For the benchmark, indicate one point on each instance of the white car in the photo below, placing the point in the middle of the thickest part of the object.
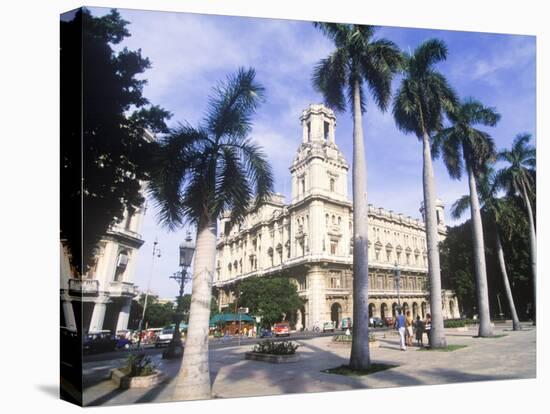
(164, 337)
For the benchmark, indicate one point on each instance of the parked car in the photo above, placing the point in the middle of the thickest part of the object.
(99, 341)
(346, 324)
(376, 322)
(164, 337)
(389, 321)
(266, 333)
(282, 329)
(328, 327)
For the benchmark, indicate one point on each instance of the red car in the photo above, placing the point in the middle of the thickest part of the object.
(281, 329)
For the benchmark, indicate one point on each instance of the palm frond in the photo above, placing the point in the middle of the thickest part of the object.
(232, 104)
(329, 78)
(426, 55)
(460, 206)
(233, 190)
(381, 60)
(337, 32)
(477, 113)
(171, 162)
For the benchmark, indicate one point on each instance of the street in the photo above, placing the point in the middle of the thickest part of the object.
(509, 355)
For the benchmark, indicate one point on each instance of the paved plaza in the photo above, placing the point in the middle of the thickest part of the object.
(510, 355)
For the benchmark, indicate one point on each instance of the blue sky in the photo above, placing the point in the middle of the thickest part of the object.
(191, 52)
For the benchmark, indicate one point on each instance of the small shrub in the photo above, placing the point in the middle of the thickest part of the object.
(458, 323)
(139, 365)
(348, 338)
(276, 348)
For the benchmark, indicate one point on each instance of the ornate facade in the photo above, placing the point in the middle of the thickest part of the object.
(102, 297)
(310, 239)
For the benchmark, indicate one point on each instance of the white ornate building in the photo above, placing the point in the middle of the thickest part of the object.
(102, 298)
(309, 240)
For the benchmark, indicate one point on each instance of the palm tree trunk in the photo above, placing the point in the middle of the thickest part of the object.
(500, 253)
(193, 380)
(437, 334)
(360, 355)
(533, 244)
(485, 328)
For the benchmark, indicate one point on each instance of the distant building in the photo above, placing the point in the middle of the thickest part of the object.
(310, 240)
(164, 301)
(102, 298)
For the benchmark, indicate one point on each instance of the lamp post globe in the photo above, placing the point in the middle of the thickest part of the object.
(187, 249)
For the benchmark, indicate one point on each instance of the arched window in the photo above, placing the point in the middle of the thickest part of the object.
(332, 182)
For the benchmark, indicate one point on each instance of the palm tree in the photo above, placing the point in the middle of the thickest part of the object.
(357, 60)
(519, 178)
(498, 211)
(200, 173)
(466, 148)
(418, 107)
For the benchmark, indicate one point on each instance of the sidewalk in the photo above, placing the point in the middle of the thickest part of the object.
(508, 357)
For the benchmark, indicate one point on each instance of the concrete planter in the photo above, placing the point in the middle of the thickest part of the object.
(274, 359)
(123, 381)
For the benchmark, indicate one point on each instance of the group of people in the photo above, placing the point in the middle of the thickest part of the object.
(408, 327)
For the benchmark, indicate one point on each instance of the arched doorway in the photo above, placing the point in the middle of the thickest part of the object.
(383, 310)
(415, 310)
(405, 307)
(423, 307)
(394, 309)
(336, 314)
(452, 308)
(372, 309)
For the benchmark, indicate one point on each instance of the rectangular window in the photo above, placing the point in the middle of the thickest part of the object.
(333, 247)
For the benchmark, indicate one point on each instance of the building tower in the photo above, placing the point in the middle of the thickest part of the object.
(319, 210)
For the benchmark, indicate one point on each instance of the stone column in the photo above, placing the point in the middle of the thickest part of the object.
(98, 316)
(298, 320)
(123, 316)
(377, 309)
(316, 287)
(70, 321)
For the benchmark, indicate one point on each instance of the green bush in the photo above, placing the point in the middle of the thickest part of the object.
(139, 365)
(348, 338)
(458, 323)
(276, 348)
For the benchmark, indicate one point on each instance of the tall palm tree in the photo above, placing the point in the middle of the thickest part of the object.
(200, 173)
(358, 59)
(498, 211)
(466, 148)
(518, 177)
(418, 107)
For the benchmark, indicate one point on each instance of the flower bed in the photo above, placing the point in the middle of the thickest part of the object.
(274, 352)
(139, 372)
(347, 340)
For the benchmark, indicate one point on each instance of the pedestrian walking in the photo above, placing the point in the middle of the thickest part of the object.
(419, 330)
(400, 326)
(428, 328)
(409, 328)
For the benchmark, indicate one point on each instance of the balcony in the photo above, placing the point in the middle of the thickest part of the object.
(84, 287)
(122, 289)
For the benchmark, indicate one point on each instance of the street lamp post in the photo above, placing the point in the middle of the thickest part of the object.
(397, 276)
(187, 248)
(156, 253)
(501, 315)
